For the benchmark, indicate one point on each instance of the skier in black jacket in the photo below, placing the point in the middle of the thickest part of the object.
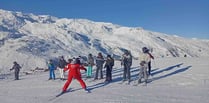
(108, 65)
(61, 66)
(126, 63)
(16, 67)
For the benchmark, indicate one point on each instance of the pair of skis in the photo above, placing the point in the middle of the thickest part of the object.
(86, 90)
(70, 90)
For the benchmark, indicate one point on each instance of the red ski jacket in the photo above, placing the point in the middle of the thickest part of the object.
(74, 70)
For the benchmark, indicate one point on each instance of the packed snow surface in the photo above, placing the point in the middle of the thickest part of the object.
(174, 80)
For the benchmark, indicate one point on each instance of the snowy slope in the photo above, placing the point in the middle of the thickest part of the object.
(33, 39)
(187, 83)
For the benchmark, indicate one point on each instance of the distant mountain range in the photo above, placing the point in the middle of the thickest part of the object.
(32, 39)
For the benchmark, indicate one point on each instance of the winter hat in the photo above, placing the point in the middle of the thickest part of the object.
(100, 55)
(15, 62)
(74, 61)
(70, 60)
(90, 55)
(145, 50)
(126, 52)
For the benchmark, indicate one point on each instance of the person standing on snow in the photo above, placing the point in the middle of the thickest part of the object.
(69, 61)
(61, 66)
(82, 62)
(74, 72)
(108, 65)
(99, 65)
(90, 61)
(149, 63)
(51, 68)
(126, 62)
(144, 60)
(16, 67)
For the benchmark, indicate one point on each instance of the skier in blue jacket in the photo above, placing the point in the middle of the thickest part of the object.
(51, 68)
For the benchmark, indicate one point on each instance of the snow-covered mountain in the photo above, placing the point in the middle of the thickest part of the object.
(32, 39)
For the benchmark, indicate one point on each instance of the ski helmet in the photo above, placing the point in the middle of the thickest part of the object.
(145, 50)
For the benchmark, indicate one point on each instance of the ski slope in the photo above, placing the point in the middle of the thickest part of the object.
(175, 80)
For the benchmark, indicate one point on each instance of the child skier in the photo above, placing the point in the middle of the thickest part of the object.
(90, 62)
(51, 68)
(74, 72)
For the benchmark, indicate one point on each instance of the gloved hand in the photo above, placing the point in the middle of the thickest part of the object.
(142, 63)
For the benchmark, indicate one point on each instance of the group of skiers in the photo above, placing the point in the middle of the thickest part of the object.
(74, 66)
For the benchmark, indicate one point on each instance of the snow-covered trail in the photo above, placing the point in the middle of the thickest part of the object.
(175, 80)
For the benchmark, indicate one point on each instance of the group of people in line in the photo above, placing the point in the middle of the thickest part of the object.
(74, 66)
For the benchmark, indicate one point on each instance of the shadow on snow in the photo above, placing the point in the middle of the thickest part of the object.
(117, 75)
(172, 73)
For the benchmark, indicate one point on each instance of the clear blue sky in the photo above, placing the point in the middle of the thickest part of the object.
(186, 18)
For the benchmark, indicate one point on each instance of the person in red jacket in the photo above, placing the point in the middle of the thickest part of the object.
(74, 72)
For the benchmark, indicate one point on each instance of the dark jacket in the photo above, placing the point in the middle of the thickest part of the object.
(16, 67)
(62, 63)
(127, 60)
(109, 62)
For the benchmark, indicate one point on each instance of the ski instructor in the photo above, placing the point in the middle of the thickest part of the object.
(74, 73)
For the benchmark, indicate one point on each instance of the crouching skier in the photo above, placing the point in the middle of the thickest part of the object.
(74, 73)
